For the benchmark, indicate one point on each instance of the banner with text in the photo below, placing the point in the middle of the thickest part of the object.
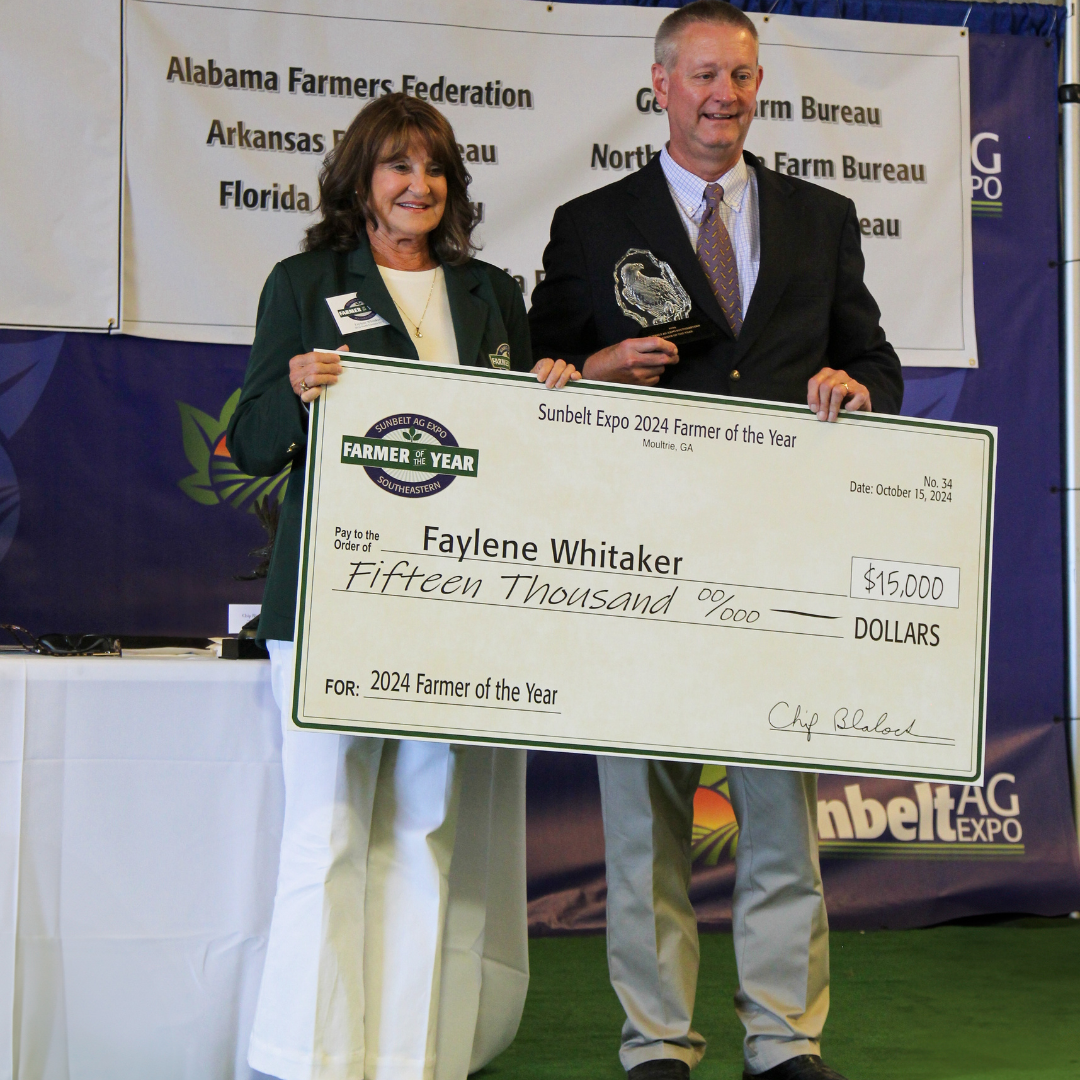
(230, 112)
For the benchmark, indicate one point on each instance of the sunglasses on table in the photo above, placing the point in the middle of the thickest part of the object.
(62, 644)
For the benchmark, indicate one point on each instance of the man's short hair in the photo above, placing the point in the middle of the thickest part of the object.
(717, 12)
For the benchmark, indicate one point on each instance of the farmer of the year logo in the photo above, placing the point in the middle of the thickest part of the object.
(358, 312)
(410, 455)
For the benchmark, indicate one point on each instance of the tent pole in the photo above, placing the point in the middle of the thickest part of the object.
(1069, 95)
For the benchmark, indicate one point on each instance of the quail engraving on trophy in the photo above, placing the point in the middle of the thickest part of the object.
(647, 290)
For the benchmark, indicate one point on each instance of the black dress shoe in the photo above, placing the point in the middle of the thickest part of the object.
(660, 1069)
(803, 1067)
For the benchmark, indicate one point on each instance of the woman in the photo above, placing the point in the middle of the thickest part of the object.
(368, 922)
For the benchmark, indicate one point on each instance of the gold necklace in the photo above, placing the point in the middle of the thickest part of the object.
(416, 325)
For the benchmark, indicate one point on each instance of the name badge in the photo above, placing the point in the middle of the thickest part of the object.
(352, 315)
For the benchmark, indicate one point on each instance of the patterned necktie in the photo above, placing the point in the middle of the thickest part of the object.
(717, 258)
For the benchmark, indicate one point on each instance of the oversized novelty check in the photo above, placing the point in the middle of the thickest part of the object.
(633, 571)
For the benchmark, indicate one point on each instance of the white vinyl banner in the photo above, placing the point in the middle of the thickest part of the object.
(230, 111)
(60, 166)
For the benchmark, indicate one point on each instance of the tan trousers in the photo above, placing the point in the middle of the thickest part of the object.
(779, 926)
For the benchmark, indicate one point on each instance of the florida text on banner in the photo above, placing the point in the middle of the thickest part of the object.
(634, 571)
(230, 110)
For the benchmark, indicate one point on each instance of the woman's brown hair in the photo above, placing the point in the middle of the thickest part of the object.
(382, 131)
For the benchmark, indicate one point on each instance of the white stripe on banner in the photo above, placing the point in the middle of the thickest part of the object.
(60, 166)
(229, 111)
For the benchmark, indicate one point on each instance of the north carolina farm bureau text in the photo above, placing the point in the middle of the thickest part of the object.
(491, 95)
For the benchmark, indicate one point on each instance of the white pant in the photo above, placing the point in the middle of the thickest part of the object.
(370, 920)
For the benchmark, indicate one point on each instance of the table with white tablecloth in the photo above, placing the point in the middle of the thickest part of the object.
(141, 803)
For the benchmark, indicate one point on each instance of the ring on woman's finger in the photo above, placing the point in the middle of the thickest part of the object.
(847, 389)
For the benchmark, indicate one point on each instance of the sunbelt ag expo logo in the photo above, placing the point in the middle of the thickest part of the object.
(410, 455)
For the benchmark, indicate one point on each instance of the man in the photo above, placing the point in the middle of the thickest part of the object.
(770, 270)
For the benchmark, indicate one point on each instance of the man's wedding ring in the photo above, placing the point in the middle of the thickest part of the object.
(304, 388)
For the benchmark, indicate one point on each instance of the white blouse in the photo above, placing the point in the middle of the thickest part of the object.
(410, 289)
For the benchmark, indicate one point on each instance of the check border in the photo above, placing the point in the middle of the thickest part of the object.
(314, 460)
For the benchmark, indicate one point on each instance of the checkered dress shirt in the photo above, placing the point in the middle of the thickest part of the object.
(739, 211)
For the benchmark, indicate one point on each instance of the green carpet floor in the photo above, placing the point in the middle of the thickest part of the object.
(954, 1003)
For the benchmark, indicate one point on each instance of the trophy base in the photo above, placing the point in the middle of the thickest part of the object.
(682, 332)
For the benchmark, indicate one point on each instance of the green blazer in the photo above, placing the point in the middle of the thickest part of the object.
(268, 430)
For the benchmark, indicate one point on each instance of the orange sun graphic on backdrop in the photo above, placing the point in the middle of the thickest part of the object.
(716, 834)
(217, 478)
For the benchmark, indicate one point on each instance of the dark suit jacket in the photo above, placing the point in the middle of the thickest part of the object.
(809, 309)
(268, 430)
